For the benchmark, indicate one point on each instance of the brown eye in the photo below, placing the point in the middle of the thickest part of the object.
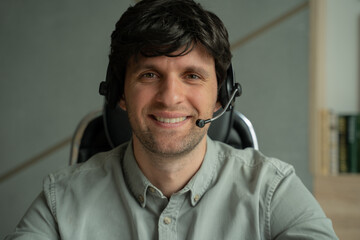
(149, 75)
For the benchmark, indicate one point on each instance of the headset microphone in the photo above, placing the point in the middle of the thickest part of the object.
(201, 122)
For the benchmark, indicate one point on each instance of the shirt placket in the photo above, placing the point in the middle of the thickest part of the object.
(169, 217)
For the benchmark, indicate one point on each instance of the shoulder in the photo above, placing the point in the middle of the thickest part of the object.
(75, 184)
(96, 167)
(251, 160)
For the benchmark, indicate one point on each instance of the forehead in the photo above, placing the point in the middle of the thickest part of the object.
(196, 56)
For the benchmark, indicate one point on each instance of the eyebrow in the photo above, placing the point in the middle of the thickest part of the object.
(199, 70)
(139, 67)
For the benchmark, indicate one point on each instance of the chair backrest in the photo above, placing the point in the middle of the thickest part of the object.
(101, 131)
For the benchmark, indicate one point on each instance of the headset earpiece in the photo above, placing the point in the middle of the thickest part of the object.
(227, 88)
(110, 88)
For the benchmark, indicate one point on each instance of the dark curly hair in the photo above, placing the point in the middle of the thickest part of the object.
(160, 27)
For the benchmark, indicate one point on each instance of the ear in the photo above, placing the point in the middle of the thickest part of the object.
(217, 106)
(122, 103)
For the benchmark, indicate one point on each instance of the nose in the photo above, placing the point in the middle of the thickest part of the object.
(170, 91)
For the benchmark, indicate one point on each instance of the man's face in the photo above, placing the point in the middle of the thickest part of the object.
(164, 96)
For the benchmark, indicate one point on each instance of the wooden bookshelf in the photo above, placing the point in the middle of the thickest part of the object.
(339, 196)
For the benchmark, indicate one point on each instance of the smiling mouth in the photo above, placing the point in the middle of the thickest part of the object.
(170, 120)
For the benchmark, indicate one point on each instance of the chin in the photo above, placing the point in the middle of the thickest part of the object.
(178, 147)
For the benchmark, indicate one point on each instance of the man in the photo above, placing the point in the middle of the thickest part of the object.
(168, 60)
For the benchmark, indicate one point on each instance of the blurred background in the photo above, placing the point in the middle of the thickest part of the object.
(293, 58)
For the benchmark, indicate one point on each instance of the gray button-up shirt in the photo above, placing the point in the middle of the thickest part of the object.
(236, 194)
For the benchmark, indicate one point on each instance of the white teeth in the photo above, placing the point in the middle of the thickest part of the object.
(170, 120)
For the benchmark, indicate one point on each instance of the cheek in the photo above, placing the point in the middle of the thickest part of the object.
(199, 100)
(138, 97)
(204, 98)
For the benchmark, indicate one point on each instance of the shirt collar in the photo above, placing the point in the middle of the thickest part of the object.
(135, 179)
(198, 184)
(202, 180)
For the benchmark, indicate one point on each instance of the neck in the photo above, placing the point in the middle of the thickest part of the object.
(169, 173)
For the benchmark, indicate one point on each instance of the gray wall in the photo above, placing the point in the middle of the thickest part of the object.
(53, 54)
(342, 56)
(273, 70)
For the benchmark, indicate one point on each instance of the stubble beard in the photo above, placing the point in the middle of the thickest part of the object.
(167, 147)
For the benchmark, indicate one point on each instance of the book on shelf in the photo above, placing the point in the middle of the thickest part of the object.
(340, 143)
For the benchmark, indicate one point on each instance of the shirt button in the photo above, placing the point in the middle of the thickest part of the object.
(141, 199)
(167, 220)
(151, 189)
(197, 197)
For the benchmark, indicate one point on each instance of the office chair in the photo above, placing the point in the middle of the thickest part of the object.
(105, 129)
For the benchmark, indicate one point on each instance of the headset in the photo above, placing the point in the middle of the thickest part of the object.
(228, 91)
